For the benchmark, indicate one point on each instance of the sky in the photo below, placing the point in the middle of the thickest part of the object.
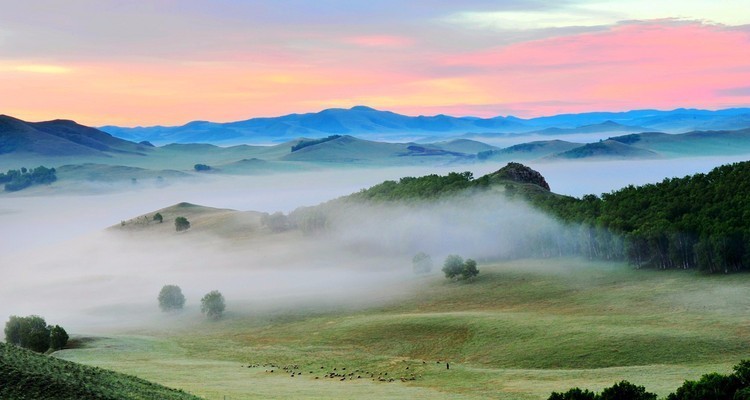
(168, 62)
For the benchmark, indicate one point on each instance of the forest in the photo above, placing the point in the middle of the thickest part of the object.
(696, 222)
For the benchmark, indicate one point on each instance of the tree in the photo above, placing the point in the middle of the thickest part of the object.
(422, 263)
(158, 217)
(181, 224)
(573, 394)
(171, 298)
(469, 269)
(13, 330)
(29, 332)
(626, 391)
(276, 222)
(453, 266)
(58, 338)
(212, 304)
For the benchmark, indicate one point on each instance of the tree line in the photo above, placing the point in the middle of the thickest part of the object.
(19, 179)
(713, 386)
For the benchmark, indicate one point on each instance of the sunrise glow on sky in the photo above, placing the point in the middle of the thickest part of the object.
(167, 62)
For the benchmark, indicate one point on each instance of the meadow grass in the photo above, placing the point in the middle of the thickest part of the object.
(519, 331)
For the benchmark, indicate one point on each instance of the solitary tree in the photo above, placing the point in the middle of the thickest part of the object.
(171, 298)
(181, 224)
(158, 217)
(453, 266)
(58, 338)
(422, 263)
(212, 304)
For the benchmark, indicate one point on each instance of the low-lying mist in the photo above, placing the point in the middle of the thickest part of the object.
(57, 260)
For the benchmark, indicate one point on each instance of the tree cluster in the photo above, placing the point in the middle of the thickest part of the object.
(18, 179)
(33, 333)
(171, 299)
(307, 143)
(276, 222)
(455, 267)
(425, 187)
(699, 221)
(713, 386)
(201, 167)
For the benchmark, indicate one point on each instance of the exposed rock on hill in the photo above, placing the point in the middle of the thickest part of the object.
(520, 173)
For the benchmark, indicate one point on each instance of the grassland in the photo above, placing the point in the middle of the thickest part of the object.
(28, 375)
(520, 331)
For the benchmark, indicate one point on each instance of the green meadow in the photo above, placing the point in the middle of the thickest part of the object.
(520, 330)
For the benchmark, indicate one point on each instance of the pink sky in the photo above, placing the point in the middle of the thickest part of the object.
(102, 63)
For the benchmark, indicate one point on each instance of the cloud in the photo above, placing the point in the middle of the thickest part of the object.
(388, 41)
(42, 69)
(735, 92)
(602, 12)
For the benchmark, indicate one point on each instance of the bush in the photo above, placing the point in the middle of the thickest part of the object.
(171, 298)
(212, 304)
(158, 217)
(201, 167)
(181, 224)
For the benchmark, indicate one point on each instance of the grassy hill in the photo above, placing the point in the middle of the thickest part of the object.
(520, 331)
(61, 138)
(28, 375)
(606, 149)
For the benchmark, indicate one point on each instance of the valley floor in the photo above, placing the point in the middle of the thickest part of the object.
(521, 330)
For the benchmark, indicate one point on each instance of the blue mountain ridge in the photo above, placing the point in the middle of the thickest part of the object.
(367, 122)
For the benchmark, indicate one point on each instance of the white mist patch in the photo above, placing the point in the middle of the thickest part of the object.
(481, 226)
(56, 261)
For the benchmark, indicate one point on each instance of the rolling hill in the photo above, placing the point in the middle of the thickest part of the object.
(61, 138)
(28, 375)
(606, 149)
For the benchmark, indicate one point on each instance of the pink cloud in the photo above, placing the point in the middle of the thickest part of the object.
(663, 64)
(380, 41)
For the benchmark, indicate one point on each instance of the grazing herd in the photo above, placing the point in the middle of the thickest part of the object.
(340, 373)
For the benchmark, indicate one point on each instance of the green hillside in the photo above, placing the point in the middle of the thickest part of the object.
(28, 375)
(521, 330)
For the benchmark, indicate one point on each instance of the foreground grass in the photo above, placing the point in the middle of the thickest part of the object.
(520, 331)
(28, 375)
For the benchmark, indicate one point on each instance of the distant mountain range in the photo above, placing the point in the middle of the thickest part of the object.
(368, 123)
(95, 155)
